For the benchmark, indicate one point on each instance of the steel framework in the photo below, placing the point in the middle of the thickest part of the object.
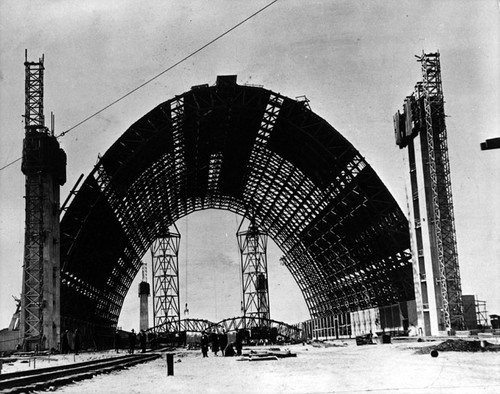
(236, 323)
(165, 263)
(253, 152)
(32, 295)
(44, 167)
(424, 116)
(34, 118)
(442, 200)
(481, 313)
(253, 249)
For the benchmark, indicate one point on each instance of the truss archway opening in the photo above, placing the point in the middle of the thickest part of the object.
(247, 150)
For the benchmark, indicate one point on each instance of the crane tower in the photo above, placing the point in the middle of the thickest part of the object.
(421, 129)
(44, 167)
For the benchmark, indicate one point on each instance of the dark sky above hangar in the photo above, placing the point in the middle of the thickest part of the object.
(352, 59)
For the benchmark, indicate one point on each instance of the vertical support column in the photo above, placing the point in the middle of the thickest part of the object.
(422, 130)
(440, 201)
(44, 165)
(144, 293)
(253, 248)
(422, 246)
(165, 262)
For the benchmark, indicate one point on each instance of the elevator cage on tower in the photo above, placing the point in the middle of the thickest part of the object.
(253, 248)
(165, 262)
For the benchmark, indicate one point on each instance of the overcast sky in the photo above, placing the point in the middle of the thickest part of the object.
(353, 59)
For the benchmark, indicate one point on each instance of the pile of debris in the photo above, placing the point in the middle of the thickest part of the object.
(262, 355)
(326, 344)
(460, 345)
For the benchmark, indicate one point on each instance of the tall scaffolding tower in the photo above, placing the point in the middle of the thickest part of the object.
(44, 165)
(253, 248)
(422, 129)
(482, 314)
(165, 264)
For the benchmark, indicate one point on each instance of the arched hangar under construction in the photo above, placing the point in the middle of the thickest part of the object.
(247, 150)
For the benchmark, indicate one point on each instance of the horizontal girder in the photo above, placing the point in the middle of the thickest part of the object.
(232, 324)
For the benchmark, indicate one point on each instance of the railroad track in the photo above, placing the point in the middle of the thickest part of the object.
(38, 379)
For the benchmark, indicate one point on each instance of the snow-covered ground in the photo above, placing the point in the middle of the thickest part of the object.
(24, 363)
(381, 368)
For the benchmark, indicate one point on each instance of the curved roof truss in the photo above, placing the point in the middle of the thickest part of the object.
(253, 152)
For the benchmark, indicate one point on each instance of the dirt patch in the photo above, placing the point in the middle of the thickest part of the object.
(460, 345)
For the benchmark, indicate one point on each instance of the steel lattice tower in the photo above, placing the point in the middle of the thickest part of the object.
(253, 248)
(442, 200)
(44, 166)
(165, 262)
(430, 183)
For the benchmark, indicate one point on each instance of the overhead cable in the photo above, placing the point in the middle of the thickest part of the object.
(167, 69)
(156, 76)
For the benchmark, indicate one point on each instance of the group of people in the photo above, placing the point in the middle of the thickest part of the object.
(132, 339)
(219, 342)
(70, 341)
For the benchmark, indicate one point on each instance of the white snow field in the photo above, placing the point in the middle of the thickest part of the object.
(339, 367)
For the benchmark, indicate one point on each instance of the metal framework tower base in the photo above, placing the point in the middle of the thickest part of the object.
(165, 262)
(253, 248)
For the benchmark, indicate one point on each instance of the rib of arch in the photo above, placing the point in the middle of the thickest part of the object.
(254, 152)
